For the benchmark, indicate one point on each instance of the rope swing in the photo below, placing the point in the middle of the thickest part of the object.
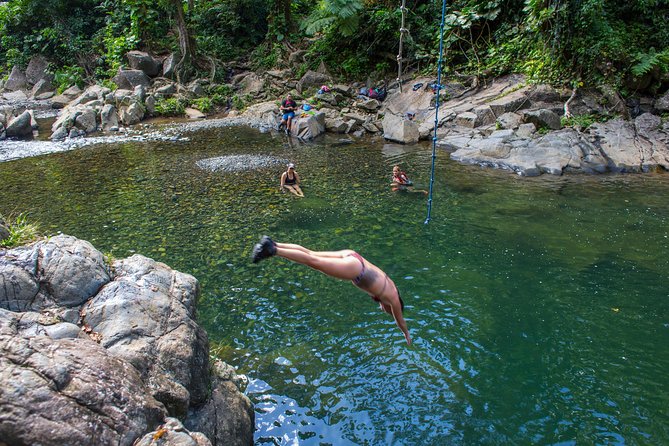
(436, 113)
(403, 31)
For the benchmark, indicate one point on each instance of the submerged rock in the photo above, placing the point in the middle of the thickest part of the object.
(236, 163)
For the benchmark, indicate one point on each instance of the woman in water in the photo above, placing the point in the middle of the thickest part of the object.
(291, 180)
(400, 181)
(345, 265)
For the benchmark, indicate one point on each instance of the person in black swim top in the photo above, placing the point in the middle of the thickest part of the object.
(291, 180)
(347, 265)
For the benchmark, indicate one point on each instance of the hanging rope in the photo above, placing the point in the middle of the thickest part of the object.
(436, 112)
(403, 31)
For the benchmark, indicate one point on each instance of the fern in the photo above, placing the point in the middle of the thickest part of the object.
(344, 15)
(649, 61)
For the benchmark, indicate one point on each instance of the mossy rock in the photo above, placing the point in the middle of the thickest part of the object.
(4, 230)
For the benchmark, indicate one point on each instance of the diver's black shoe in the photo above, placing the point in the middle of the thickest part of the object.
(266, 248)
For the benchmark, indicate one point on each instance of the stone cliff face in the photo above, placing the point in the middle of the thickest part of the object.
(99, 354)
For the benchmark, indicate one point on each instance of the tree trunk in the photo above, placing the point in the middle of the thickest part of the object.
(185, 67)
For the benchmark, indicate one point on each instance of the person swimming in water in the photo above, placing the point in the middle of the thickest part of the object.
(400, 181)
(346, 265)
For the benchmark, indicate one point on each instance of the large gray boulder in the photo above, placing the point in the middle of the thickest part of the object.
(139, 60)
(108, 118)
(397, 128)
(63, 99)
(312, 79)
(68, 391)
(543, 118)
(87, 120)
(308, 127)
(131, 114)
(163, 305)
(88, 357)
(217, 418)
(554, 153)
(17, 80)
(638, 146)
(264, 114)
(37, 70)
(41, 87)
(129, 79)
(20, 126)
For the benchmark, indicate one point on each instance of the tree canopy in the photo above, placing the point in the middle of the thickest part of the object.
(618, 42)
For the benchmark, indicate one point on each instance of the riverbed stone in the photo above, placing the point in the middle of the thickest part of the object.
(526, 130)
(662, 103)
(20, 126)
(131, 114)
(509, 120)
(397, 128)
(41, 86)
(140, 60)
(87, 120)
(37, 70)
(17, 80)
(312, 80)
(308, 127)
(543, 118)
(193, 113)
(108, 118)
(467, 119)
(129, 79)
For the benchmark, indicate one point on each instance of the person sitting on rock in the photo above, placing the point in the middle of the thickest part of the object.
(291, 180)
(288, 107)
(345, 265)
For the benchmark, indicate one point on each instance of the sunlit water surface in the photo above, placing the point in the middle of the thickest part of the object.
(538, 306)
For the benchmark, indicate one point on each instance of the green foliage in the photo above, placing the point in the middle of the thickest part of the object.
(203, 104)
(21, 231)
(342, 15)
(170, 107)
(67, 77)
(651, 60)
(239, 102)
(583, 121)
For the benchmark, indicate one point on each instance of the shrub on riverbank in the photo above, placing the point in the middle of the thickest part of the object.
(16, 231)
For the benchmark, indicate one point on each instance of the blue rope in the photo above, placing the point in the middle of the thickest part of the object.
(436, 113)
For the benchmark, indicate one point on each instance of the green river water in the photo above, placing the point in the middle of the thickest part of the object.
(539, 307)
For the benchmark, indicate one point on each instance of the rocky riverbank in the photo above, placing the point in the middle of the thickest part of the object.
(99, 352)
(503, 123)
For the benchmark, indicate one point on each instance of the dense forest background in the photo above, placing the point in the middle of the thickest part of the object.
(623, 43)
